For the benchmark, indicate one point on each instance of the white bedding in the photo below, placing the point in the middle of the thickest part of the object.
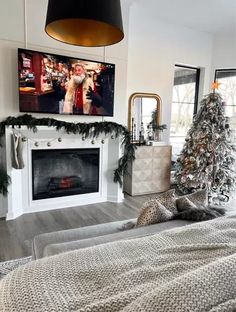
(192, 268)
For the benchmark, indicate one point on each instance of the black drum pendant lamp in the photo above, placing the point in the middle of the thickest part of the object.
(88, 23)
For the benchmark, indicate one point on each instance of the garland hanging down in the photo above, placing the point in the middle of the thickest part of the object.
(5, 181)
(92, 130)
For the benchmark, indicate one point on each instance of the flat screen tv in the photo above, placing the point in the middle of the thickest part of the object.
(50, 83)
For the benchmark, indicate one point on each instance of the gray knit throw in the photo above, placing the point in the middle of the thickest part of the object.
(187, 269)
(7, 266)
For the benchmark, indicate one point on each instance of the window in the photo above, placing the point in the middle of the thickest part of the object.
(227, 89)
(184, 105)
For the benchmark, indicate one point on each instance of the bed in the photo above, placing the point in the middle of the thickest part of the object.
(191, 268)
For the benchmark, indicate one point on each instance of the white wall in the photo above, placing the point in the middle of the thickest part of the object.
(149, 51)
(16, 31)
(224, 52)
(155, 47)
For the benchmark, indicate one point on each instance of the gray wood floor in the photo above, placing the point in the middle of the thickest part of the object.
(16, 235)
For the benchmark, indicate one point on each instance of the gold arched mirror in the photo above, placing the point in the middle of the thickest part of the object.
(144, 116)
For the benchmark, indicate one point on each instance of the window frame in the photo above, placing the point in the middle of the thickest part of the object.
(221, 70)
(197, 84)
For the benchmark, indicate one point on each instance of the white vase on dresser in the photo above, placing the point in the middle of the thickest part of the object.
(150, 171)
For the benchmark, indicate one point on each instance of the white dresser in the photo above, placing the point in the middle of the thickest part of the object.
(150, 171)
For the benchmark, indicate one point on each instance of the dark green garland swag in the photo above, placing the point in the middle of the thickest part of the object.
(4, 181)
(93, 129)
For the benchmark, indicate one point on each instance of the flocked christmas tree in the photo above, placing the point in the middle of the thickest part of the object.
(207, 159)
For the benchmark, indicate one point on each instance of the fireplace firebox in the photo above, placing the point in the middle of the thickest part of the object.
(64, 172)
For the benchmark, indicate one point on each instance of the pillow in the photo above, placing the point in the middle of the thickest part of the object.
(153, 212)
(184, 203)
(167, 199)
(198, 214)
(199, 197)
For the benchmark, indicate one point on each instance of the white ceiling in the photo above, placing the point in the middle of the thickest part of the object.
(213, 16)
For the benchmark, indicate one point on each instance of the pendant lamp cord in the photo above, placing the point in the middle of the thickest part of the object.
(104, 60)
(102, 147)
(104, 54)
(25, 25)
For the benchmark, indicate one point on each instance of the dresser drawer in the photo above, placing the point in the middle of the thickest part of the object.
(159, 163)
(142, 164)
(162, 151)
(142, 188)
(141, 175)
(144, 152)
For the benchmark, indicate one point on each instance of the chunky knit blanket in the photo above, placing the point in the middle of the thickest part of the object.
(188, 269)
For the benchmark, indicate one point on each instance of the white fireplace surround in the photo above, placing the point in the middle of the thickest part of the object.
(19, 199)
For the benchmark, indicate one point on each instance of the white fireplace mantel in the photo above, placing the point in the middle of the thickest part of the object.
(19, 199)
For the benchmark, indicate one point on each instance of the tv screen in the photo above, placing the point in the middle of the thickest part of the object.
(50, 83)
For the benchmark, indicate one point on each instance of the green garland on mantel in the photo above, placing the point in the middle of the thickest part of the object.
(92, 130)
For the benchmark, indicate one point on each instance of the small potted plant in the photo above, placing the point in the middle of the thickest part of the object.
(156, 128)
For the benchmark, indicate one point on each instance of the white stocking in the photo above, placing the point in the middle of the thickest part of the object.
(17, 160)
